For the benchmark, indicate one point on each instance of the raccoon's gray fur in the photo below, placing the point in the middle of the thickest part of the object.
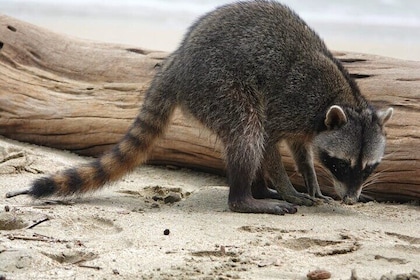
(255, 74)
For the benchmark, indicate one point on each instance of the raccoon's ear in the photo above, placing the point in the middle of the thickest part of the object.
(335, 117)
(384, 115)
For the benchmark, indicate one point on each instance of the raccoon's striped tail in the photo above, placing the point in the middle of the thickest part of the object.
(132, 150)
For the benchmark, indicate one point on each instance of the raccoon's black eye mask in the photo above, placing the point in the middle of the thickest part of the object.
(368, 170)
(342, 169)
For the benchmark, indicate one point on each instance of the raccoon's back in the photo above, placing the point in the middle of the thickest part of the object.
(256, 37)
(259, 48)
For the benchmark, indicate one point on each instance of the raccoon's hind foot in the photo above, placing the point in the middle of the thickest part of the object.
(252, 205)
(261, 191)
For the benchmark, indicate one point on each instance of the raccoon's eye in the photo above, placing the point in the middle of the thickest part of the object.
(342, 164)
(340, 168)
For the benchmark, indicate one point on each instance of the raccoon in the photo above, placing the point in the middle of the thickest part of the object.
(255, 74)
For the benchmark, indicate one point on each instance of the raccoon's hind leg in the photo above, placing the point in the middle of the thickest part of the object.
(243, 157)
(302, 155)
(262, 187)
(274, 166)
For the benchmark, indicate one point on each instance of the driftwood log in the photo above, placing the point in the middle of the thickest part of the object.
(81, 96)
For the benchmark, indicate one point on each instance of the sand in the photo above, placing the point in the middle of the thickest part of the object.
(127, 231)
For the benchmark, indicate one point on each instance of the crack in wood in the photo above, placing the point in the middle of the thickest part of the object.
(408, 79)
(360, 76)
(11, 28)
(352, 60)
(139, 51)
(35, 55)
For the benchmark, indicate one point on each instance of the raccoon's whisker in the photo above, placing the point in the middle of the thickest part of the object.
(387, 155)
(365, 198)
(383, 170)
(377, 175)
(369, 185)
(376, 179)
(372, 178)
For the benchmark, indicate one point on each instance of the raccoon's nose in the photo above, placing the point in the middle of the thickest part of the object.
(350, 200)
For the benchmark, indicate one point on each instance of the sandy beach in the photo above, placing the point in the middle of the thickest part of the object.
(136, 229)
(172, 223)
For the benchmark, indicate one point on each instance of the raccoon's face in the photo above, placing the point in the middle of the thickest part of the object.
(351, 147)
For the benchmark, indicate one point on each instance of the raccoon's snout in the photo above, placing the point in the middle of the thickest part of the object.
(349, 197)
(350, 200)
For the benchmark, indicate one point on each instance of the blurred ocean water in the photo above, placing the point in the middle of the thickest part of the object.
(387, 27)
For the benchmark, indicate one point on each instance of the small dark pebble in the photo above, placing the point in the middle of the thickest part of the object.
(157, 198)
(7, 209)
(172, 167)
(2, 277)
(116, 272)
(155, 205)
(172, 198)
(319, 274)
(166, 232)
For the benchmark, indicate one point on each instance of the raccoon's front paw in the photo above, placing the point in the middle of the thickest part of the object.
(300, 199)
(324, 198)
